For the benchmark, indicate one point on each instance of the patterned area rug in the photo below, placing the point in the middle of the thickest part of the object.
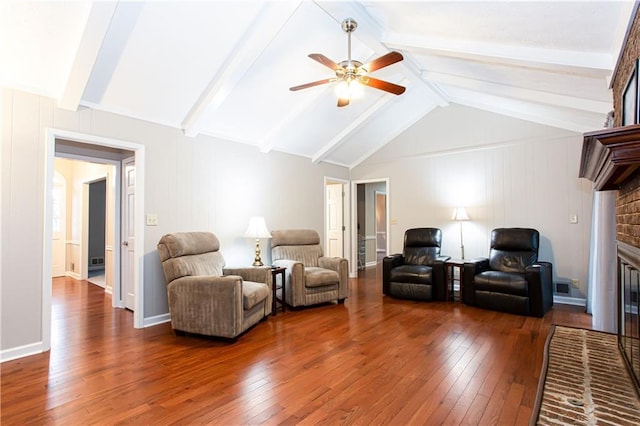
(584, 381)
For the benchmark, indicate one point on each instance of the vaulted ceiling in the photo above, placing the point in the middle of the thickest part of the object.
(224, 68)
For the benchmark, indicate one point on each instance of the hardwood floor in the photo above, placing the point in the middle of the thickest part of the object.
(373, 360)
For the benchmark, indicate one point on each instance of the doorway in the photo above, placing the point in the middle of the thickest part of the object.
(94, 149)
(335, 193)
(370, 223)
(381, 224)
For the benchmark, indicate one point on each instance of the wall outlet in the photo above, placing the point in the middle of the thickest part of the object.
(575, 282)
(152, 219)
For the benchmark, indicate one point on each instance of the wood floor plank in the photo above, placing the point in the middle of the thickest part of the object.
(371, 360)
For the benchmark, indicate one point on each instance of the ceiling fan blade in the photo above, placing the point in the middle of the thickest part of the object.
(325, 61)
(313, 83)
(383, 61)
(342, 102)
(382, 85)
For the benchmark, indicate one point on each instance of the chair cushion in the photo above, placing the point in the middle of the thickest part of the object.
(306, 254)
(319, 277)
(253, 293)
(411, 291)
(501, 282)
(416, 274)
(190, 254)
(421, 245)
(513, 249)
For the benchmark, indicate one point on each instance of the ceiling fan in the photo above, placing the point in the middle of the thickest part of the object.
(351, 71)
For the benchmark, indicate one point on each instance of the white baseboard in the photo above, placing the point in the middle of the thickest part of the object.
(564, 300)
(158, 319)
(21, 351)
(74, 275)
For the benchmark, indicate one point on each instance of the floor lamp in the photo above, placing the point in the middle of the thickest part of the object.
(257, 229)
(460, 215)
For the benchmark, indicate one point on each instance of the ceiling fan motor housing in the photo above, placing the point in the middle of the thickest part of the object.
(349, 25)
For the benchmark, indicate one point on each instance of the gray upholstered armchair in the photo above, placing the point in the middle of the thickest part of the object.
(206, 298)
(311, 278)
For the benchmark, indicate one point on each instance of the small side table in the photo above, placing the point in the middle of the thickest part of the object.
(450, 277)
(275, 271)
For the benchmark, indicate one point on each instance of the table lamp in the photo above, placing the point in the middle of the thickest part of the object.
(257, 229)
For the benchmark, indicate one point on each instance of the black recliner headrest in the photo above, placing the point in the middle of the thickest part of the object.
(515, 239)
(423, 237)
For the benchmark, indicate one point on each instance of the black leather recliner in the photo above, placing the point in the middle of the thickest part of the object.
(417, 273)
(511, 279)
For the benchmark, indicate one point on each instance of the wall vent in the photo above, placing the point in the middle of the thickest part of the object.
(97, 261)
(562, 288)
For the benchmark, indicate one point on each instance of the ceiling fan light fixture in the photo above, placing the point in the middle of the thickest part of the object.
(351, 74)
(349, 89)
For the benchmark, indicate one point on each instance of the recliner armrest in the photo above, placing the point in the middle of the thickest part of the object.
(540, 279)
(388, 263)
(294, 277)
(191, 295)
(256, 274)
(332, 263)
(471, 268)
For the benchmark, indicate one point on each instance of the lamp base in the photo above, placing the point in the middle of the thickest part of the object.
(257, 261)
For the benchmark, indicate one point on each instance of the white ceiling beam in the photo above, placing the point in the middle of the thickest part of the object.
(521, 93)
(587, 63)
(264, 27)
(95, 31)
(554, 116)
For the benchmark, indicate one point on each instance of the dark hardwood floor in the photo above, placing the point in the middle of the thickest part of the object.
(373, 360)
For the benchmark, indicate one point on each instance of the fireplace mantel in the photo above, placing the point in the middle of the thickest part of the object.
(610, 156)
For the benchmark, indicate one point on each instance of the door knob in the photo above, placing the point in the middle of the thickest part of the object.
(125, 243)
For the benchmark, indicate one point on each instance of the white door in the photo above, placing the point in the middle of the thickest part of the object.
(59, 218)
(335, 224)
(128, 233)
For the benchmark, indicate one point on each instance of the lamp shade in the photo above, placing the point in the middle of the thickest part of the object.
(257, 228)
(460, 213)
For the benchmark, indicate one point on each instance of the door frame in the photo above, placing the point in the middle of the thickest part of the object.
(376, 194)
(353, 267)
(51, 135)
(346, 248)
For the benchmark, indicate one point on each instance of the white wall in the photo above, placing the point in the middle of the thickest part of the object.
(191, 184)
(528, 179)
